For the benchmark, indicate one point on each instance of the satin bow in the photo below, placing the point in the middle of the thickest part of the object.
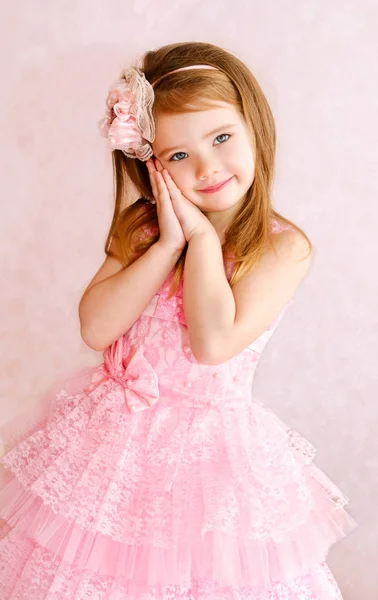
(138, 378)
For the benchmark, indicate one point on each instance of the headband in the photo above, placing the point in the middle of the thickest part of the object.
(128, 123)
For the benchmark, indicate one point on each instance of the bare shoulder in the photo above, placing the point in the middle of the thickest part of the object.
(265, 291)
(291, 243)
(280, 269)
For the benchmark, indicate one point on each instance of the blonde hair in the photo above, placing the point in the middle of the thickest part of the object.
(196, 90)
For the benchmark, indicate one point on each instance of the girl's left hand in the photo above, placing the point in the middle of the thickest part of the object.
(192, 220)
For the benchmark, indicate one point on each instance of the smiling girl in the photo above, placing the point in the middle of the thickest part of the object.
(157, 474)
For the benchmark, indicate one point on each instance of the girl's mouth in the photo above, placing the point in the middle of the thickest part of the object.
(215, 188)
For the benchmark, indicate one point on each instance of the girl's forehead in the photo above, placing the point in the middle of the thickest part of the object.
(195, 123)
(219, 111)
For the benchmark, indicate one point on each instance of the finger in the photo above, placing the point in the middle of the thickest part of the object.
(152, 174)
(161, 184)
(158, 164)
(150, 164)
(164, 195)
(154, 187)
(167, 176)
(172, 187)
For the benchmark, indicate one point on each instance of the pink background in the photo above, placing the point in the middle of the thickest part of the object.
(315, 62)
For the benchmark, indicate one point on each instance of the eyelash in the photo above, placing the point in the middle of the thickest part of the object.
(220, 135)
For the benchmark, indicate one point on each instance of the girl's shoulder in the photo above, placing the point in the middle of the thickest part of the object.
(277, 226)
(295, 240)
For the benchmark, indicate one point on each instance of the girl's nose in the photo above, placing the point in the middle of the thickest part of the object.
(206, 168)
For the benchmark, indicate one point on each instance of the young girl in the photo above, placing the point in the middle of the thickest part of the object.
(157, 475)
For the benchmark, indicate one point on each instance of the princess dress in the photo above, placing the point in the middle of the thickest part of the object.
(153, 476)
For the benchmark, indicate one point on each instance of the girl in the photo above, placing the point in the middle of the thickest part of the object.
(156, 475)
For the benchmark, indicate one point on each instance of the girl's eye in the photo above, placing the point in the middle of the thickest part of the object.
(173, 156)
(221, 135)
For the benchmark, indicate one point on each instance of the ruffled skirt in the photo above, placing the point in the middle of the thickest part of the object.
(170, 502)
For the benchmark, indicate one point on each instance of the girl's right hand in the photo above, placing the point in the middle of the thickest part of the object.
(171, 233)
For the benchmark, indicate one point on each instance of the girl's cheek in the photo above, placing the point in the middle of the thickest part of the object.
(180, 177)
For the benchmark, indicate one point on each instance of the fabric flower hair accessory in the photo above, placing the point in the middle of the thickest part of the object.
(128, 123)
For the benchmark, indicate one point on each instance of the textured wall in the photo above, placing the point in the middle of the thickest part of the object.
(315, 62)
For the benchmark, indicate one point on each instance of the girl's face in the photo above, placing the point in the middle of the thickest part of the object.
(203, 149)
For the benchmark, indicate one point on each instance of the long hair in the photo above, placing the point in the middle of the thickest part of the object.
(196, 90)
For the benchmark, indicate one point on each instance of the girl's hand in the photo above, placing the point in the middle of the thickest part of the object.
(171, 233)
(192, 220)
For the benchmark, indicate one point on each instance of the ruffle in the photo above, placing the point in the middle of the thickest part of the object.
(217, 556)
(172, 493)
(32, 572)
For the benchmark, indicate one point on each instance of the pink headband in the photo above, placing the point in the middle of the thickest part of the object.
(184, 69)
(128, 122)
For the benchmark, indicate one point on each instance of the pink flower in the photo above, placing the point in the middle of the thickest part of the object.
(128, 122)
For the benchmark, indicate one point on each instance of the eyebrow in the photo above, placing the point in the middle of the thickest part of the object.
(227, 126)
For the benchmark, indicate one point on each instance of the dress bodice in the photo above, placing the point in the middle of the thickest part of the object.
(160, 338)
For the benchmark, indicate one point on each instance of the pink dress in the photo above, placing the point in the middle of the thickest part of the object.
(153, 476)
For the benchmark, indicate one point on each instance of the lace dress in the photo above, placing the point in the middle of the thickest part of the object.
(153, 476)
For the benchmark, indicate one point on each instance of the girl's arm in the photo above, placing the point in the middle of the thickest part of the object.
(223, 321)
(116, 297)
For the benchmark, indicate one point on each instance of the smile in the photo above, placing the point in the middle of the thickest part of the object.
(215, 188)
